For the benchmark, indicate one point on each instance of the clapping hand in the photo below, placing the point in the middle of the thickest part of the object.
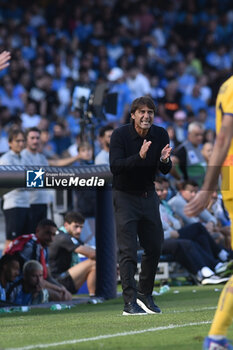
(144, 149)
(166, 151)
(5, 56)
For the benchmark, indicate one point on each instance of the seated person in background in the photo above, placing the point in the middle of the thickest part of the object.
(188, 161)
(9, 270)
(207, 150)
(191, 245)
(187, 190)
(170, 191)
(35, 247)
(64, 259)
(28, 290)
(15, 202)
(105, 134)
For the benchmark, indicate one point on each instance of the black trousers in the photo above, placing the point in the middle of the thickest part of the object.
(194, 248)
(189, 254)
(198, 233)
(137, 217)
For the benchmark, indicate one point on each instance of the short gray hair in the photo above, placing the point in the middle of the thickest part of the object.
(195, 125)
(31, 265)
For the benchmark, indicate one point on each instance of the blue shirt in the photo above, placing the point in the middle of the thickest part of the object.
(2, 293)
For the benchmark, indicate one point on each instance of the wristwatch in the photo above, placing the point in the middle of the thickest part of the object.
(164, 160)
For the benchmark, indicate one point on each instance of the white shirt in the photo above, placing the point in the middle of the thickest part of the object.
(29, 121)
(140, 86)
(102, 157)
(18, 198)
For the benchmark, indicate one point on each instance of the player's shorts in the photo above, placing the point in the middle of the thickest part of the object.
(66, 280)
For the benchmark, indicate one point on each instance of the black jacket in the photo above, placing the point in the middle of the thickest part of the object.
(131, 173)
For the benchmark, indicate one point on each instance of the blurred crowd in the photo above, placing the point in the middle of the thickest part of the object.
(178, 52)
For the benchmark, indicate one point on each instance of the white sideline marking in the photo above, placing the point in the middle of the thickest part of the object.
(75, 341)
(193, 310)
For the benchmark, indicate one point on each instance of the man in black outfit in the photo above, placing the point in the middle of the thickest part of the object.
(137, 151)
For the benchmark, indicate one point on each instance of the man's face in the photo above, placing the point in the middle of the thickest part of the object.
(31, 108)
(107, 137)
(17, 144)
(74, 229)
(207, 150)
(189, 192)
(165, 185)
(143, 118)
(34, 280)
(159, 190)
(33, 141)
(46, 234)
(12, 270)
(196, 136)
(85, 153)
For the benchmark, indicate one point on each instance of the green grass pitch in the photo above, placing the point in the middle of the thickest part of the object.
(185, 321)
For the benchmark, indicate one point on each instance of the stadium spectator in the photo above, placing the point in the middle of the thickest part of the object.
(105, 134)
(207, 150)
(85, 153)
(170, 103)
(193, 102)
(30, 118)
(4, 146)
(64, 258)
(43, 95)
(61, 138)
(84, 199)
(73, 149)
(180, 119)
(28, 290)
(209, 136)
(74, 122)
(187, 190)
(35, 247)
(187, 157)
(16, 202)
(156, 92)
(8, 98)
(190, 245)
(40, 199)
(46, 148)
(119, 87)
(137, 82)
(186, 80)
(9, 271)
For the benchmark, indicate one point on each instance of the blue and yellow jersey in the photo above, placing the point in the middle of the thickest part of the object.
(224, 105)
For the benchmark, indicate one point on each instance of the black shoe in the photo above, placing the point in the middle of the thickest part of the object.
(146, 302)
(133, 309)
